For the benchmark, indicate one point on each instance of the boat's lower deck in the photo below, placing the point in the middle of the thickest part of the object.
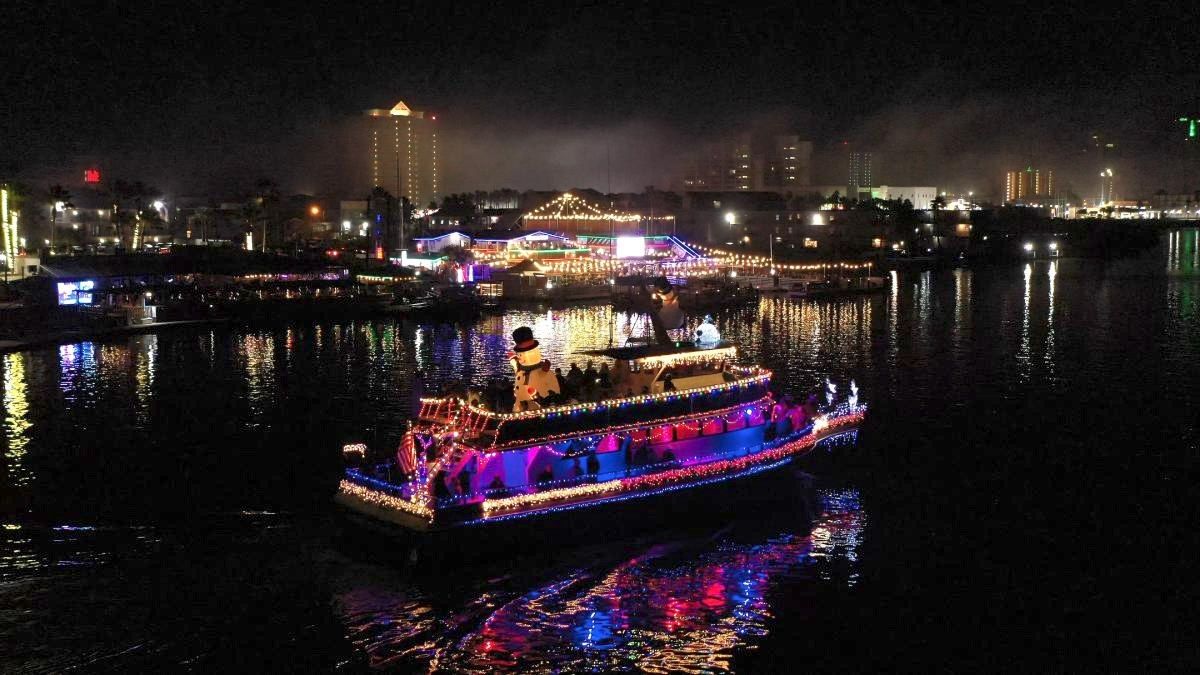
(740, 454)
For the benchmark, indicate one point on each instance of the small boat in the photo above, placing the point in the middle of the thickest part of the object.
(404, 306)
(674, 417)
(837, 287)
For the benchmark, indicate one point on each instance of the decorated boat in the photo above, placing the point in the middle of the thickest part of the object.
(667, 416)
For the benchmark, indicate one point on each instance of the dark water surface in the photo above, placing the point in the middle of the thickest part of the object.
(1023, 495)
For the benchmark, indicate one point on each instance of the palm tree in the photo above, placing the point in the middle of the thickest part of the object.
(118, 194)
(267, 193)
(58, 195)
(252, 215)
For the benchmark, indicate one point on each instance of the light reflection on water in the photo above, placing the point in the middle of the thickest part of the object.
(673, 606)
(16, 419)
(145, 429)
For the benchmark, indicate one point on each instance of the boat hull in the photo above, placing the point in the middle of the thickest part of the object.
(783, 493)
(606, 509)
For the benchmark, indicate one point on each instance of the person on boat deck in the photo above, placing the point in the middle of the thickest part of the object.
(593, 465)
(546, 475)
(604, 376)
(668, 382)
(440, 489)
(464, 481)
(798, 416)
(574, 380)
(668, 456)
(562, 382)
(810, 407)
(784, 424)
(576, 469)
(497, 483)
(780, 408)
(620, 374)
(590, 375)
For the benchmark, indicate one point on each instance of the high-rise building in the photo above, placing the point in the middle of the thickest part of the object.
(860, 179)
(404, 153)
(1021, 186)
(749, 162)
(787, 163)
(1106, 187)
(723, 166)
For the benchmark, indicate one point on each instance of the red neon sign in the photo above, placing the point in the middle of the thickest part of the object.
(91, 175)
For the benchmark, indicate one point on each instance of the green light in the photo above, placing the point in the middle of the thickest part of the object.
(1192, 129)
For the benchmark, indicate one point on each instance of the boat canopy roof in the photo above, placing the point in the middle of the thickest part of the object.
(684, 350)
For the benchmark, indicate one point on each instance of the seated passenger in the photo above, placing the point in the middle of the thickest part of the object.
(497, 484)
(798, 417)
(440, 489)
(785, 422)
(810, 407)
(620, 374)
(668, 456)
(546, 475)
(574, 380)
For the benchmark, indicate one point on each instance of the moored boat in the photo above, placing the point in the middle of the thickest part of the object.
(838, 287)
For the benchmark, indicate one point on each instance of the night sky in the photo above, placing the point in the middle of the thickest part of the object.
(196, 96)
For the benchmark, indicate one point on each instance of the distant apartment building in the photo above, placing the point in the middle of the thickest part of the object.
(750, 163)
(1027, 184)
(1107, 195)
(404, 153)
(860, 179)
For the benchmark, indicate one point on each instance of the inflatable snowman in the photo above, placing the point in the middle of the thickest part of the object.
(534, 380)
(670, 313)
(707, 336)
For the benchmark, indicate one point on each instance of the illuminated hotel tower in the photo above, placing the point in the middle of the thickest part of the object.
(404, 153)
(1021, 186)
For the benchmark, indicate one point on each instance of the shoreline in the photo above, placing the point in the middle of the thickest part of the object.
(70, 336)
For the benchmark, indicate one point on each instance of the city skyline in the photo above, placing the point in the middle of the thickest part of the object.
(551, 106)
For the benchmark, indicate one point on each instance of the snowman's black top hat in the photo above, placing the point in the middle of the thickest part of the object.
(523, 339)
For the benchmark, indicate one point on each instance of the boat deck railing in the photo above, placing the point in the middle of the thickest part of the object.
(475, 422)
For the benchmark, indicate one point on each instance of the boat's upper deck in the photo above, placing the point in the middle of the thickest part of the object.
(647, 384)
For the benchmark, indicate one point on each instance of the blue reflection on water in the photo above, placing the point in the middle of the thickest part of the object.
(677, 606)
